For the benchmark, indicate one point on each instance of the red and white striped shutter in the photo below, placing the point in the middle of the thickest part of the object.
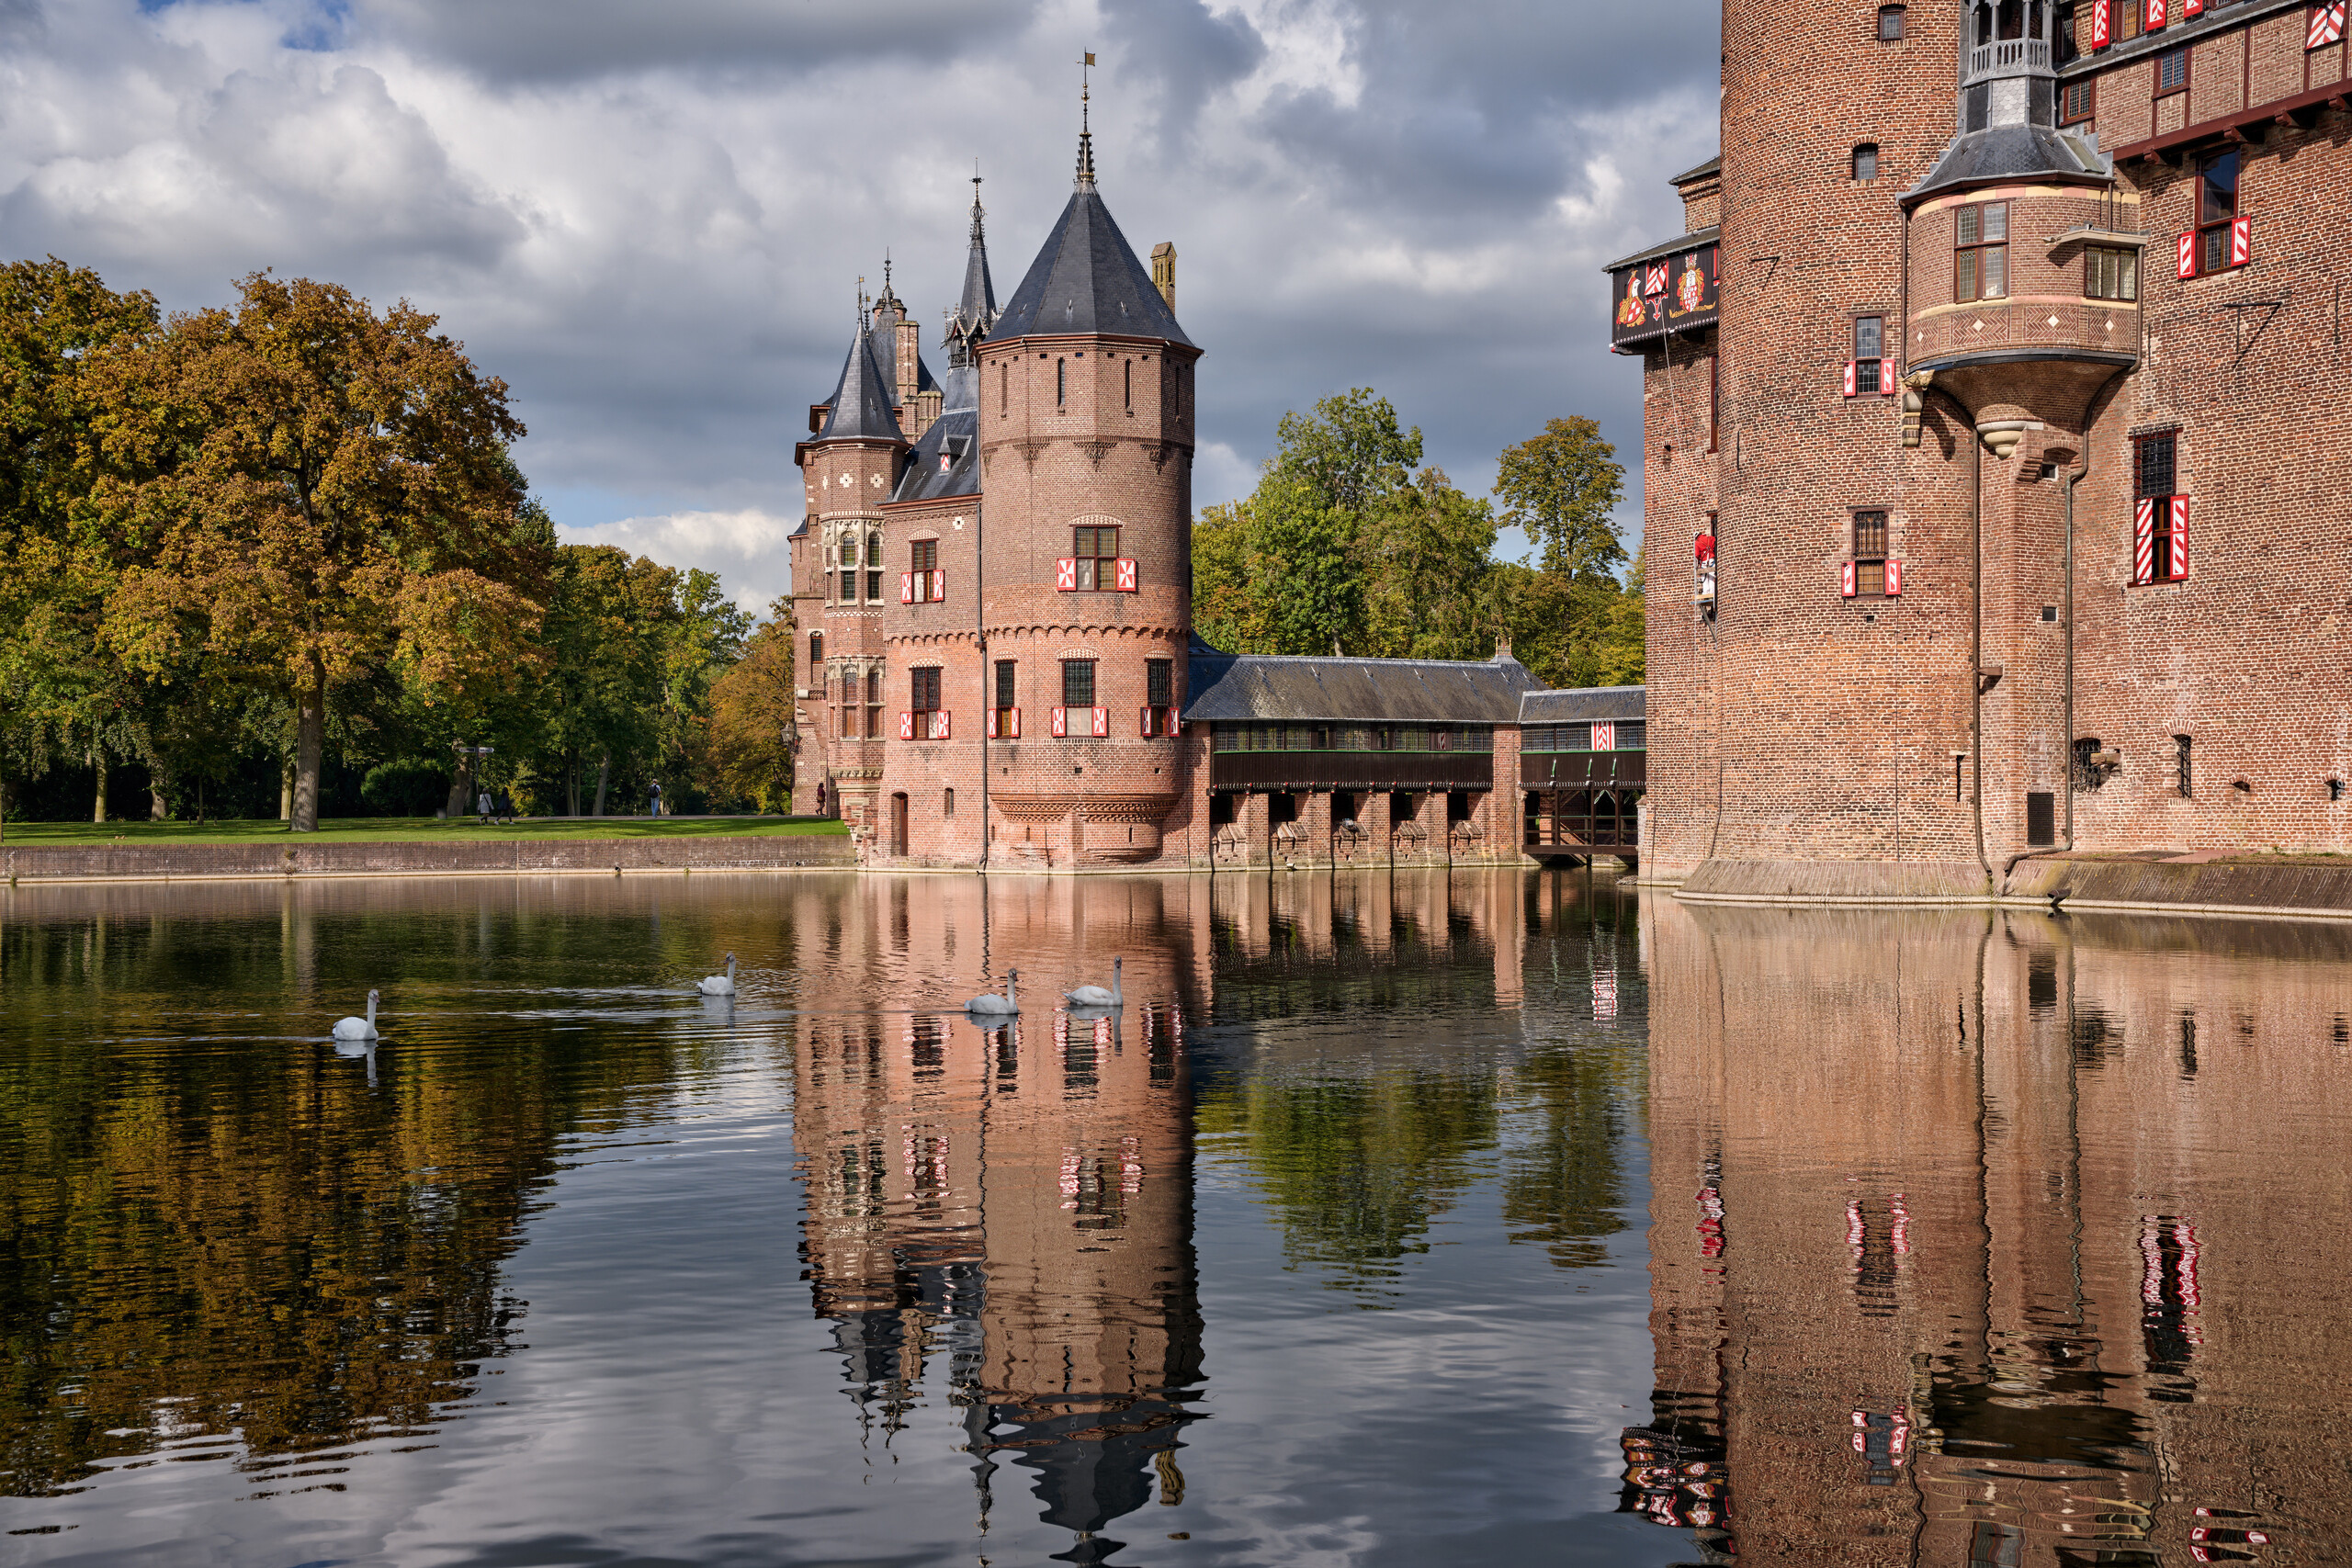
(1058, 721)
(2241, 240)
(2102, 32)
(1886, 376)
(1066, 575)
(1016, 722)
(2179, 537)
(1102, 722)
(2327, 24)
(1895, 579)
(1846, 580)
(1123, 575)
(2191, 8)
(906, 726)
(2185, 267)
(992, 724)
(906, 588)
(1849, 377)
(1146, 730)
(943, 726)
(1604, 736)
(2156, 14)
(939, 584)
(2143, 542)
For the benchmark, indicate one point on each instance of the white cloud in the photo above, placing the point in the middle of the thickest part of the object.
(746, 548)
(654, 234)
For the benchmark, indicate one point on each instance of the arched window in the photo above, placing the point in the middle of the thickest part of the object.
(1866, 161)
(1890, 23)
(1983, 24)
(2012, 19)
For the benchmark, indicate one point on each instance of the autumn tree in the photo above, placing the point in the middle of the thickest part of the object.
(315, 491)
(611, 618)
(59, 688)
(751, 708)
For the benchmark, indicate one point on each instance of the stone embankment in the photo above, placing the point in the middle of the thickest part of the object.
(2313, 887)
(202, 862)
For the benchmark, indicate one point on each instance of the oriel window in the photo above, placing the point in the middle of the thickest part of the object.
(1981, 251)
(2110, 273)
(2217, 208)
(1097, 550)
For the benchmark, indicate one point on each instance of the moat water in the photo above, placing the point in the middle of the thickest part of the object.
(1392, 1220)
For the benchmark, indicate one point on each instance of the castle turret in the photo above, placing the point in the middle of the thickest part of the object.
(1085, 427)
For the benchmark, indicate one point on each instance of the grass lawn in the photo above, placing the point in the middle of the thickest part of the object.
(413, 829)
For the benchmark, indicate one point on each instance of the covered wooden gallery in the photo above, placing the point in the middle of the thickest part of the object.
(1401, 762)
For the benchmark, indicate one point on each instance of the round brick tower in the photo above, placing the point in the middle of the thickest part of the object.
(1085, 431)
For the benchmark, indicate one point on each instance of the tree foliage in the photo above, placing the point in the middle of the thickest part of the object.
(1347, 546)
(289, 531)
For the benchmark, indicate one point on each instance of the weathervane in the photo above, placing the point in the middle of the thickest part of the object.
(1085, 135)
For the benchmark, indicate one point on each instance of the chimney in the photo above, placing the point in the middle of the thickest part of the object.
(1163, 271)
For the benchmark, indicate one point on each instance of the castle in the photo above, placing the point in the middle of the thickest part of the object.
(992, 587)
(1989, 448)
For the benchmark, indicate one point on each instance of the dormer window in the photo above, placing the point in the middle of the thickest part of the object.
(1890, 24)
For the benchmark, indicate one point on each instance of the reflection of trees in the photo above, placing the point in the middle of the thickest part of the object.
(244, 1238)
(1565, 1188)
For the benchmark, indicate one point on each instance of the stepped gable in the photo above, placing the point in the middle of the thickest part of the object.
(1086, 279)
(863, 404)
(1425, 690)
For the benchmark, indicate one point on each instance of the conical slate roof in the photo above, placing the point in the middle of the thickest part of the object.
(978, 306)
(1087, 279)
(863, 403)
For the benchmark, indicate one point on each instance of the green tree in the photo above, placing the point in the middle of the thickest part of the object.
(320, 492)
(751, 704)
(1428, 553)
(609, 626)
(1561, 489)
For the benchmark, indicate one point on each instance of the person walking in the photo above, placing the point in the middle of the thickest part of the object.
(482, 806)
(657, 798)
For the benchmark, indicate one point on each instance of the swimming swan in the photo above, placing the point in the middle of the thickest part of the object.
(1095, 996)
(359, 1028)
(718, 984)
(989, 1003)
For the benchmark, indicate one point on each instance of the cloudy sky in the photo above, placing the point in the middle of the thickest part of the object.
(650, 216)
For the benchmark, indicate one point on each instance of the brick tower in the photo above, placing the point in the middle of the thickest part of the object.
(849, 468)
(1069, 676)
(2010, 514)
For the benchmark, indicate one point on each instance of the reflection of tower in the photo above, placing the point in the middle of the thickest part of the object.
(1959, 1245)
(1016, 1202)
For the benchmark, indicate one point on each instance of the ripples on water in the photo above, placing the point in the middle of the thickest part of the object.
(1502, 1219)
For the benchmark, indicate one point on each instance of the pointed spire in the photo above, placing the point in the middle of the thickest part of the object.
(865, 404)
(1085, 134)
(976, 311)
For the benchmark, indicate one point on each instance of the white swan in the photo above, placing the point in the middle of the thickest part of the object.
(1095, 996)
(359, 1028)
(718, 984)
(994, 1005)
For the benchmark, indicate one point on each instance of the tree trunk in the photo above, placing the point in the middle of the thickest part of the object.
(310, 747)
(286, 790)
(603, 772)
(460, 801)
(156, 810)
(98, 764)
(571, 787)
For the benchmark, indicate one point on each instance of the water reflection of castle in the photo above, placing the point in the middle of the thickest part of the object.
(2019, 1249)
(1004, 1218)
